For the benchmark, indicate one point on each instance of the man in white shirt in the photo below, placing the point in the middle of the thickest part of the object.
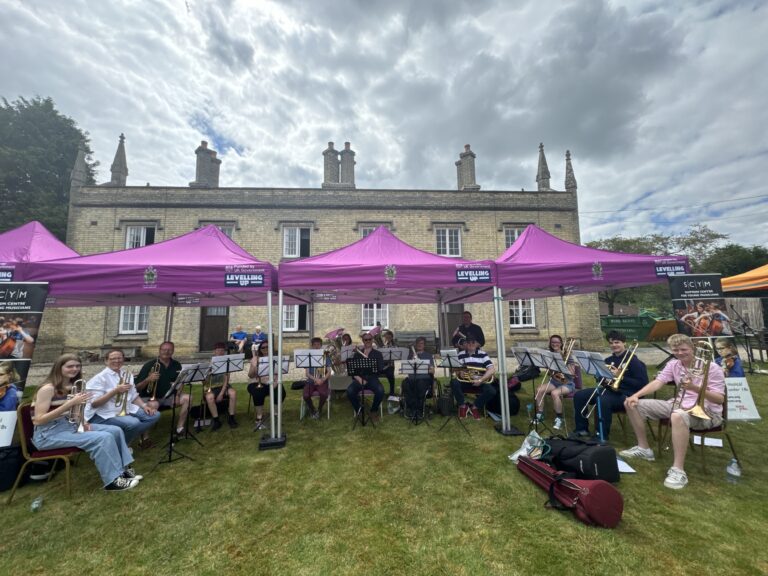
(109, 397)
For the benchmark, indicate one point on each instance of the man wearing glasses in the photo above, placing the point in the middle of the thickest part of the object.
(370, 381)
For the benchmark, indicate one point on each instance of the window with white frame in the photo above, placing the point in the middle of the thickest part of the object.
(366, 230)
(295, 318)
(373, 313)
(134, 319)
(295, 242)
(521, 314)
(448, 241)
(137, 235)
(512, 233)
(227, 227)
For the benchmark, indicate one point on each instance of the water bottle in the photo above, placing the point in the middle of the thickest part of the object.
(37, 503)
(733, 471)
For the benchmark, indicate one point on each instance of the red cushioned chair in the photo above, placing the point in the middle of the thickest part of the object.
(32, 454)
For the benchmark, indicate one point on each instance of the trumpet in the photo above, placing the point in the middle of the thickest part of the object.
(77, 413)
(703, 357)
(610, 384)
(121, 398)
(152, 386)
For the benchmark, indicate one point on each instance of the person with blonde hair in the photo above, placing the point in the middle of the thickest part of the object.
(728, 358)
(676, 408)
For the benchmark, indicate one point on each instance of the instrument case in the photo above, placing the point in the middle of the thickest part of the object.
(587, 459)
(594, 502)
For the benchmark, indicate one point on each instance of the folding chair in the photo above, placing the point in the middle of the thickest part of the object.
(303, 409)
(31, 454)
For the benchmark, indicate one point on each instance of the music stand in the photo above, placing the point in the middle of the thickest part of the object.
(417, 367)
(363, 367)
(541, 359)
(393, 354)
(311, 358)
(220, 365)
(186, 375)
(449, 360)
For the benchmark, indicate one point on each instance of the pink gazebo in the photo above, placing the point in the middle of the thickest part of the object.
(23, 246)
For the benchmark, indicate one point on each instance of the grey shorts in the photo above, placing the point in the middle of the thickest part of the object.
(659, 409)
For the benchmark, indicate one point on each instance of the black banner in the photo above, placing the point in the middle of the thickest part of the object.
(699, 305)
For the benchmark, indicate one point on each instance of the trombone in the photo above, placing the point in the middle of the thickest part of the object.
(703, 356)
(610, 384)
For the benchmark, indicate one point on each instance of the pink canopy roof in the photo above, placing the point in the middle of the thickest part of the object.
(201, 268)
(383, 268)
(539, 264)
(31, 242)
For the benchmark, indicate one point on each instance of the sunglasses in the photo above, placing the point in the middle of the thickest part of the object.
(367, 339)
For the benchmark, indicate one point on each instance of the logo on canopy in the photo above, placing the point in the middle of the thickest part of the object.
(390, 272)
(597, 271)
(150, 277)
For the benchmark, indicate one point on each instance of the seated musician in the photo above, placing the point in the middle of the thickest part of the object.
(416, 386)
(52, 408)
(635, 377)
(369, 382)
(112, 392)
(476, 361)
(676, 409)
(9, 398)
(155, 379)
(238, 338)
(316, 382)
(729, 359)
(557, 386)
(388, 341)
(258, 386)
(220, 395)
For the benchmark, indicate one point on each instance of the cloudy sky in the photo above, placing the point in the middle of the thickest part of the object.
(662, 104)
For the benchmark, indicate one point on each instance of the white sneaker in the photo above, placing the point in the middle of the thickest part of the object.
(559, 422)
(637, 452)
(676, 479)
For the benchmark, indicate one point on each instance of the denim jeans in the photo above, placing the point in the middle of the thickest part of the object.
(610, 402)
(133, 425)
(104, 444)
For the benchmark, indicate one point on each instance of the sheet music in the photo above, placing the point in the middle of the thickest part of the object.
(265, 363)
(226, 364)
(308, 358)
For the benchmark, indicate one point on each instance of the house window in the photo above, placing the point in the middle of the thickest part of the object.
(366, 230)
(295, 242)
(137, 236)
(295, 318)
(448, 241)
(375, 313)
(521, 314)
(134, 319)
(227, 227)
(512, 233)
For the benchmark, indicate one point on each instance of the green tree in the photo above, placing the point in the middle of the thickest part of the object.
(733, 259)
(699, 243)
(38, 147)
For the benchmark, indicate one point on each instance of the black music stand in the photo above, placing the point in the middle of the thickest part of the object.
(541, 359)
(449, 359)
(593, 363)
(308, 359)
(417, 367)
(220, 365)
(363, 367)
(271, 440)
(194, 371)
(204, 369)
(392, 354)
(744, 327)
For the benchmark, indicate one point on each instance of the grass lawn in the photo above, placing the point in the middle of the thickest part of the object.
(396, 499)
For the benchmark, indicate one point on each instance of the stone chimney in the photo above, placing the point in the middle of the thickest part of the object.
(465, 170)
(570, 179)
(542, 175)
(330, 167)
(119, 166)
(207, 168)
(347, 177)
